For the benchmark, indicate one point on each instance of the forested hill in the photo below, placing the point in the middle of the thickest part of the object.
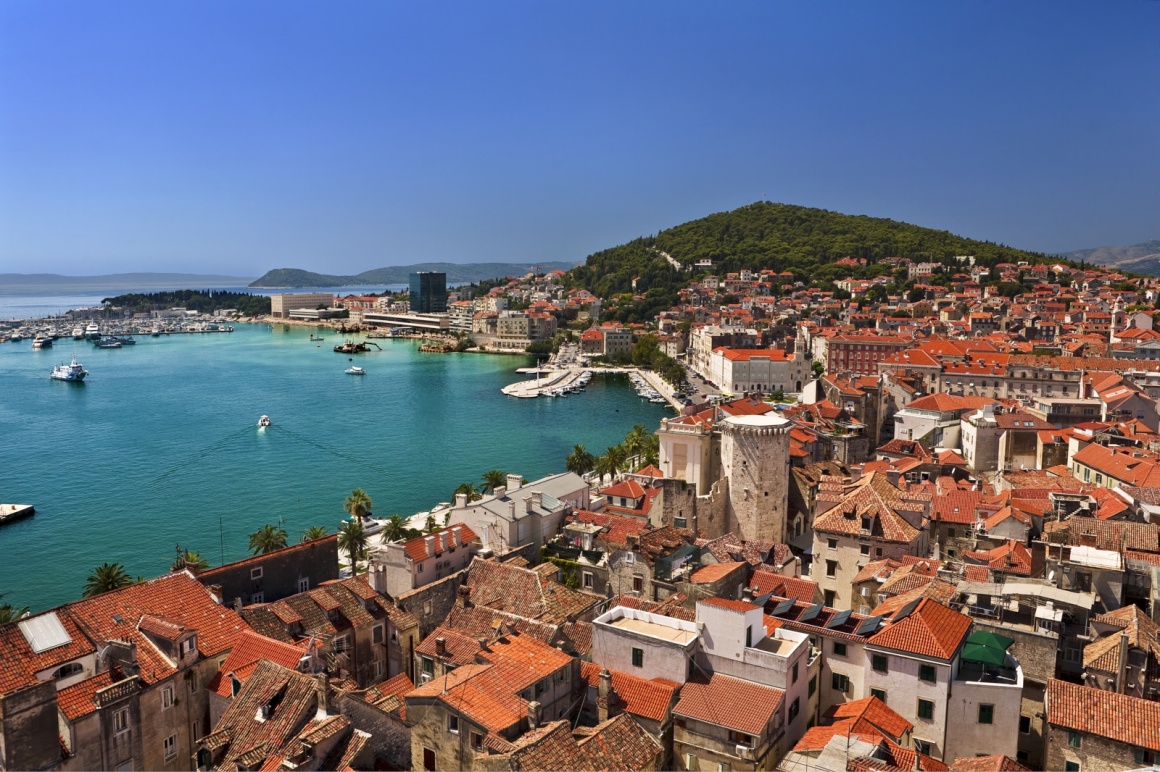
(779, 237)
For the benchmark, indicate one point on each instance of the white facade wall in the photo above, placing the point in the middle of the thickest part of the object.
(904, 689)
(966, 737)
(612, 646)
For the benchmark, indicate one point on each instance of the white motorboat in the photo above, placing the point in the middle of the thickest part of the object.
(92, 331)
(42, 341)
(78, 333)
(263, 422)
(355, 370)
(74, 372)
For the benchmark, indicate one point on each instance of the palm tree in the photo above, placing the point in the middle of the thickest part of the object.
(352, 540)
(395, 528)
(431, 526)
(314, 533)
(266, 539)
(8, 612)
(602, 467)
(615, 459)
(652, 451)
(358, 503)
(470, 491)
(635, 440)
(494, 478)
(579, 461)
(105, 577)
(189, 559)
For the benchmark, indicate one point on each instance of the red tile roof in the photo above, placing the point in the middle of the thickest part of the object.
(249, 649)
(742, 706)
(178, 598)
(80, 699)
(639, 696)
(1105, 714)
(730, 605)
(763, 582)
(931, 630)
(871, 715)
(713, 573)
(422, 547)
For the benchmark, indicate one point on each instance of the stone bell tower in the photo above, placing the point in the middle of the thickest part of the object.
(755, 461)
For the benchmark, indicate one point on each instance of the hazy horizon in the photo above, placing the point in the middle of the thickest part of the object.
(234, 138)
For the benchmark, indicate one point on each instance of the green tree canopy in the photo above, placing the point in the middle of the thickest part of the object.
(266, 539)
(358, 503)
(352, 539)
(314, 533)
(106, 577)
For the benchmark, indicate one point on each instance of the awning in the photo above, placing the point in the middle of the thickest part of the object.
(987, 648)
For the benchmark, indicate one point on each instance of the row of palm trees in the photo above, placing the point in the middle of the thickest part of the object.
(640, 448)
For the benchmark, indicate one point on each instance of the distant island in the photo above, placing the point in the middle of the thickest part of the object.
(41, 282)
(457, 273)
(1138, 258)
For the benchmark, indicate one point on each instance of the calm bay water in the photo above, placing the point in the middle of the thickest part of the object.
(159, 445)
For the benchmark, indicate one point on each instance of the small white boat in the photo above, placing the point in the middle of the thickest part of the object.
(263, 422)
(355, 370)
(74, 372)
(92, 331)
(42, 341)
(78, 333)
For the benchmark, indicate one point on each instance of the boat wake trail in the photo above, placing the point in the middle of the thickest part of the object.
(187, 463)
(332, 450)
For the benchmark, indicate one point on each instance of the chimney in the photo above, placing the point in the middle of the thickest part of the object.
(441, 646)
(322, 691)
(463, 596)
(533, 714)
(1122, 669)
(537, 499)
(456, 536)
(499, 492)
(514, 482)
(430, 544)
(604, 695)
(460, 500)
(215, 592)
(528, 504)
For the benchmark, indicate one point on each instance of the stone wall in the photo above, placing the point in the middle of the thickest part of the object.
(390, 735)
(431, 603)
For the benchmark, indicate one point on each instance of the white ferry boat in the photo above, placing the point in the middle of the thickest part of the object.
(71, 372)
(92, 331)
(355, 370)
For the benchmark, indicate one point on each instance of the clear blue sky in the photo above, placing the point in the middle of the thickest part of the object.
(233, 137)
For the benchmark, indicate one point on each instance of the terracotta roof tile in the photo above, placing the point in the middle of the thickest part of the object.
(79, 700)
(931, 629)
(1105, 714)
(178, 598)
(639, 696)
(249, 649)
(713, 572)
(730, 702)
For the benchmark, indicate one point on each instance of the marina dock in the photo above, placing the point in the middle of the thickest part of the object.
(564, 378)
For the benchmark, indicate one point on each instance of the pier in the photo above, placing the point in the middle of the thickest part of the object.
(10, 512)
(565, 377)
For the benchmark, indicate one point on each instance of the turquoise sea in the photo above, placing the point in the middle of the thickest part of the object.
(159, 445)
